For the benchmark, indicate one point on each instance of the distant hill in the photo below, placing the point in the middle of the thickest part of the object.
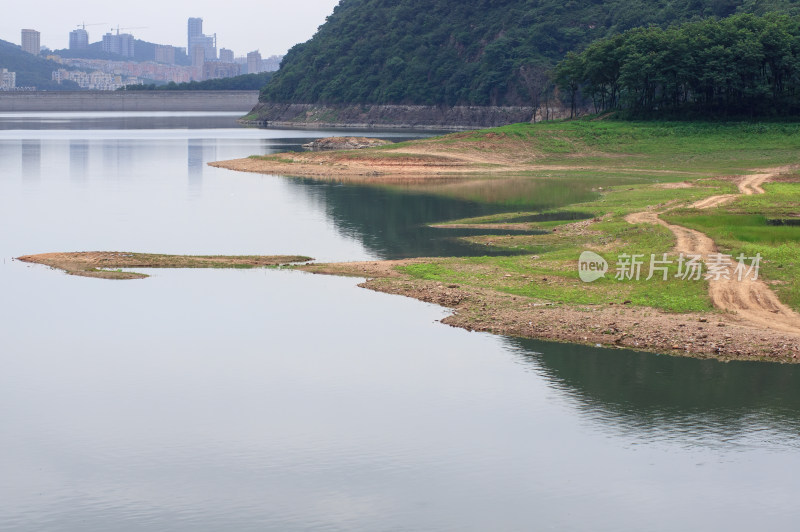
(32, 71)
(451, 52)
(142, 51)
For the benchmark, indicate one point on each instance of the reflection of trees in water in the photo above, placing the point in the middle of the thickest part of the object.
(392, 221)
(666, 397)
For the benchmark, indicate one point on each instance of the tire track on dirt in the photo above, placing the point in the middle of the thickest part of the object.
(749, 299)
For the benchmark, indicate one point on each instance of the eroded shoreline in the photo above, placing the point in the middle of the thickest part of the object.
(110, 264)
(716, 335)
(721, 336)
(541, 298)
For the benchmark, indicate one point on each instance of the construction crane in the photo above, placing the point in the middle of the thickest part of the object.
(83, 24)
(133, 28)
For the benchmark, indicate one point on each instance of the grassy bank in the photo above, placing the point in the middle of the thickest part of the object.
(654, 151)
(617, 177)
(758, 224)
(633, 168)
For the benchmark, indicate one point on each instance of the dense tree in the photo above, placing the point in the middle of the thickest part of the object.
(245, 82)
(482, 52)
(740, 65)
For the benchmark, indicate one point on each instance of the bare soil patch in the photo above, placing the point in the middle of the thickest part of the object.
(345, 143)
(672, 186)
(751, 301)
(719, 336)
(108, 264)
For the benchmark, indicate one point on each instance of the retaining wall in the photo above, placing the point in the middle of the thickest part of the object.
(233, 101)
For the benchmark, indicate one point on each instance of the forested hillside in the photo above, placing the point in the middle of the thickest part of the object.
(32, 70)
(450, 52)
(742, 65)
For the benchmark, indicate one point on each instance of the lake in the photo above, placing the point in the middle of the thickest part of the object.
(278, 400)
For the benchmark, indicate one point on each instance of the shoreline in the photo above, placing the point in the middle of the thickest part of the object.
(385, 116)
(109, 264)
(715, 335)
(616, 325)
(705, 171)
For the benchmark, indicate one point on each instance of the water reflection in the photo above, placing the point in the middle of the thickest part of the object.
(274, 400)
(78, 160)
(392, 221)
(31, 151)
(693, 402)
(199, 152)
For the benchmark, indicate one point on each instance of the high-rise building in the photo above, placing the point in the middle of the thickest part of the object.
(195, 28)
(78, 39)
(196, 38)
(30, 41)
(120, 44)
(253, 62)
(219, 70)
(225, 55)
(209, 45)
(8, 80)
(165, 54)
(198, 56)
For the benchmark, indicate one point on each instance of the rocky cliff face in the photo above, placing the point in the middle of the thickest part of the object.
(391, 116)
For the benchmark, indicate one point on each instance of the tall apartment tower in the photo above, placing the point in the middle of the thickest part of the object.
(198, 56)
(165, 54)
(30, 41)
(195, 32)
(78, 39)
(120, 44)
(253, 62)
(225, 55)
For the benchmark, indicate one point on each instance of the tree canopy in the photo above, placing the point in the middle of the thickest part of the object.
(449, 52)
(743, 65)
(245, 82)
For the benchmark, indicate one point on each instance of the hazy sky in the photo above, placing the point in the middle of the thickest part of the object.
(270, 26)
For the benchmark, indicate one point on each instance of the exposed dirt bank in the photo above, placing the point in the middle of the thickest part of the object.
(430, 159)
(750, 300)
(104, 265)
(718, 336)
(345, 143)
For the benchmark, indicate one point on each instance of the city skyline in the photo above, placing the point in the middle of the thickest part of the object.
(272, 29)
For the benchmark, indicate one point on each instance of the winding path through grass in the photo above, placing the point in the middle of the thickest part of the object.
(751, 300)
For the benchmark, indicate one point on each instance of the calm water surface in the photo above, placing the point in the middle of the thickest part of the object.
(274, 400)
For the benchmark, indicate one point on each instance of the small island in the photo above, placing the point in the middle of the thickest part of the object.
(110, 264)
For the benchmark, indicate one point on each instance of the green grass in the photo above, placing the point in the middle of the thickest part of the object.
(644, 154)
(741, 227)
(273, 158)
(611, 169)
(708, 148)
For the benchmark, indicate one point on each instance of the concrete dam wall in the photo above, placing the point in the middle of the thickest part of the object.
(233, 101)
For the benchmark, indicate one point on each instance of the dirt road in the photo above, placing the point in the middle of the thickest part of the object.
(750, 299)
